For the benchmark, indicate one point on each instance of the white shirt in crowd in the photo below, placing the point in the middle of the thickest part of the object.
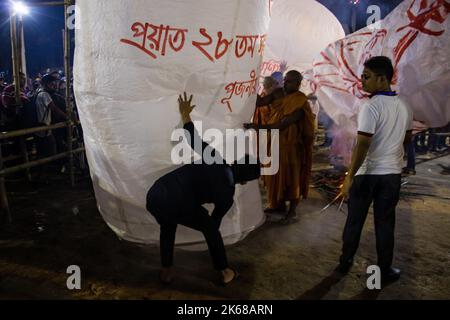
(44, 114)
(387, 118)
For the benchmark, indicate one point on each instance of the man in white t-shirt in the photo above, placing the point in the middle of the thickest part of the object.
(45, 141)
(384, 126)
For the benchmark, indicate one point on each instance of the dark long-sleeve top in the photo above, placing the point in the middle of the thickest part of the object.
(193, 185)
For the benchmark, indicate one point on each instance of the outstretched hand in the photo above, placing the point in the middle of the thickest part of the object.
(185, 107)
(185, 104)
(283, 66)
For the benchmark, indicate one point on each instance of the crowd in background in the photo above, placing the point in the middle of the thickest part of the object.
(42, 103)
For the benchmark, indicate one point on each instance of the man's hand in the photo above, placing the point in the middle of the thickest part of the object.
(359, 154)
(185, 107)
(283, 67)
(346, 186)
(185, 104)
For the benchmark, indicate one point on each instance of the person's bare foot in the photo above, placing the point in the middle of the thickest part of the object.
(165, 275)
(228, 275)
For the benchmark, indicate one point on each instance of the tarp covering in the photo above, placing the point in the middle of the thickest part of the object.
(132, 60)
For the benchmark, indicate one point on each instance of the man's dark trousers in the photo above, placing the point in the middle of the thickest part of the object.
(384, 191)
(196, 218)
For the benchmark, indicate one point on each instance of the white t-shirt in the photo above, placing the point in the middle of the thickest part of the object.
(44, 114)
(387, 118)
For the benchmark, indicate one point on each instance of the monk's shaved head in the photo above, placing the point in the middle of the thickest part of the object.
(292, 81)
(297, 76)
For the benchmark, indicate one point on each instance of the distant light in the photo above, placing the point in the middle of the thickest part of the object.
(355, 2)
(20, 8)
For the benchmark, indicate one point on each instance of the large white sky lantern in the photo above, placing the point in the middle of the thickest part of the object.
(132, 60)
(299, 30)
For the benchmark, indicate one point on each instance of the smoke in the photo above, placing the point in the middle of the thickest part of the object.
(343, 132)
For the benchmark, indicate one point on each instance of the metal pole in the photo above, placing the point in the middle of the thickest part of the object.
(67, 3)
(354, 9)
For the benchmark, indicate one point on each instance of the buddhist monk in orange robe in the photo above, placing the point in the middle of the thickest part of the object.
(262, 113)
(295, 121)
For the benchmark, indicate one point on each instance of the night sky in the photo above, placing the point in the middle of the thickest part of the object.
(43, 31)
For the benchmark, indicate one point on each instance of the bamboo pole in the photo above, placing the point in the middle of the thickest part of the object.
(19, 41)
(68, 93)
(24, 152)
(35, 163)
(15, 58)
(3, 196)
(22, 68)
(441, 134)
(14, 54)
(23, 132)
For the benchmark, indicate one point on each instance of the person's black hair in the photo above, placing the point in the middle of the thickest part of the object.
(48, 78)
(381, 65)
(246, 169)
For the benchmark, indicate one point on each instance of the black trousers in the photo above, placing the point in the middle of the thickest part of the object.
(384, 191)
(45, 146)
(159, 205)
(202, 222)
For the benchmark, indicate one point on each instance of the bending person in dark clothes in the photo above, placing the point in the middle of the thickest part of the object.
(177, 198)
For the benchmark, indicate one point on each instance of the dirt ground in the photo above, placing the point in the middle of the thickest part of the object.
(56, 226)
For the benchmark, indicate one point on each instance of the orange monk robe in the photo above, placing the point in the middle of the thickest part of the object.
(295, 153)
(261, 117)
